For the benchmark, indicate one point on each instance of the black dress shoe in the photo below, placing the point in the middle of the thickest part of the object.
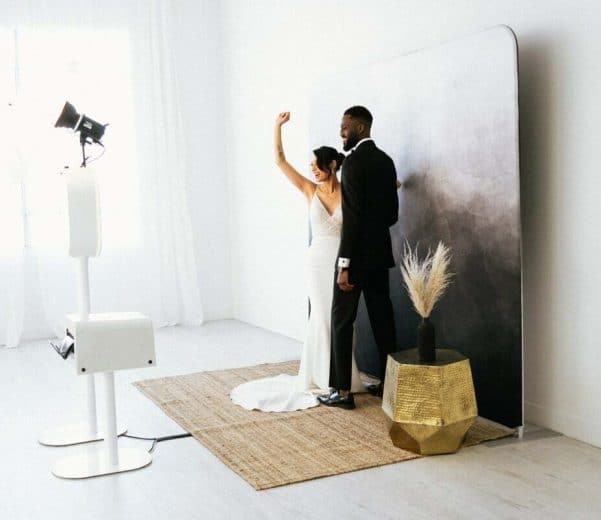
(335, 399)
(377, 390)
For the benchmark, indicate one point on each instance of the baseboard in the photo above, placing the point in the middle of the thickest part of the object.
(575, 426)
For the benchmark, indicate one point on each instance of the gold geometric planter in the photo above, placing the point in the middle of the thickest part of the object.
(431, 406)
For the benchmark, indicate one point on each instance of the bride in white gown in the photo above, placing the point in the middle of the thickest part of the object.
(285, 392)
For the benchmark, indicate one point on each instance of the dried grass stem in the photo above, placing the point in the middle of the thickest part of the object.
(426, 280)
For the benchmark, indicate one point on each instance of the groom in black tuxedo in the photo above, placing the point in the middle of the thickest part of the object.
(369, 207)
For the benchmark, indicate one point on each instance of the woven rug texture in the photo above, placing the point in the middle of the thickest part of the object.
(275, 449)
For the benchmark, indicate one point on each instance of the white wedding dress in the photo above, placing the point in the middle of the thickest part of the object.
(285, 393)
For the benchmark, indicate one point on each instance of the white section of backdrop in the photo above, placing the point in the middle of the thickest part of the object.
(116, 63)
(277, 50)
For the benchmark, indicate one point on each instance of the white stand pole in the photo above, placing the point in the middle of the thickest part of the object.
(83, 288)
(92, 415)
(110, 414)
(83, 300)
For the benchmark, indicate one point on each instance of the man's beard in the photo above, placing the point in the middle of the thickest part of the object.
(351, 141)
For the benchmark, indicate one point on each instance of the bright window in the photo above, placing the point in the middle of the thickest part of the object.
(41, 70)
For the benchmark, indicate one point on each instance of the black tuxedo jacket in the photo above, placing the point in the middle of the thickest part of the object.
(370, 205)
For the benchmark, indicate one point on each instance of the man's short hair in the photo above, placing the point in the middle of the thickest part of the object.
(360, 113)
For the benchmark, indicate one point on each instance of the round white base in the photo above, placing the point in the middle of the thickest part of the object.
(94, 462)
(70, 434)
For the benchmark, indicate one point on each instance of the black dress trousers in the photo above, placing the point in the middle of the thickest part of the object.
(375, 287)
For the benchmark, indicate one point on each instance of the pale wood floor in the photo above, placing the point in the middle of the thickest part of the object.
(545, 475)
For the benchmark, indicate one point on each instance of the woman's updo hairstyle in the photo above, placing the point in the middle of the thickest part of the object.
(325, 155)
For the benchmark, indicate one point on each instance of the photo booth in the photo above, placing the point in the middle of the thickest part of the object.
(84, 241)
(101, 343)
(448, 117)
(104, 343)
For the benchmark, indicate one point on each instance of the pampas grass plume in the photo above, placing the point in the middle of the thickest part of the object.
(426, 280)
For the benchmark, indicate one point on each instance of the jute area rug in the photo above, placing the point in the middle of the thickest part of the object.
(275, 449)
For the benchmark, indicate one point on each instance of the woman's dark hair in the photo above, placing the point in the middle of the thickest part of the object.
(325, 155)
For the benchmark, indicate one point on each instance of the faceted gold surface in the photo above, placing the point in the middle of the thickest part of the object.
(431, 406)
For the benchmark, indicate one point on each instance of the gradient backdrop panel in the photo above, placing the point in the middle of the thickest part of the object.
(448, 116)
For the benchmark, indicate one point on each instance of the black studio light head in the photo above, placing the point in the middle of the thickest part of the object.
(86, 126)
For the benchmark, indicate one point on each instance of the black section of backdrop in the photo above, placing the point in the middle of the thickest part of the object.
(480, 315)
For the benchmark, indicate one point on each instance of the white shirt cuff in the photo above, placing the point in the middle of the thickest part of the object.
(344, 263)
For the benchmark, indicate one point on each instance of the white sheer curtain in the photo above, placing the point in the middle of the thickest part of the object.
(112, 61)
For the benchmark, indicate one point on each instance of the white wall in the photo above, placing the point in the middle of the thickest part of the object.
(276, 50)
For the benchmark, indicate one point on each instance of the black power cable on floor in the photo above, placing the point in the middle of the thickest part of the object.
(156, 440)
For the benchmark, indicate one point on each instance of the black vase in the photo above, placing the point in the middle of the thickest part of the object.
(426, 341)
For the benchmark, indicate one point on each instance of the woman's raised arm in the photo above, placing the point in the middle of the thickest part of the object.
(298, 180)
